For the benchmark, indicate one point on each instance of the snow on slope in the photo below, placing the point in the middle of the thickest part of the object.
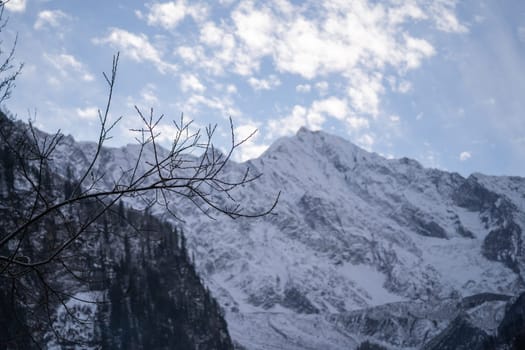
(352, 230)
(77, 321)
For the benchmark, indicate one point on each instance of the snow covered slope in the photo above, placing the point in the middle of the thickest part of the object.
(354, 233)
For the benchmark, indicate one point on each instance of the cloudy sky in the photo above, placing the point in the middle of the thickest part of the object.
(441, 81)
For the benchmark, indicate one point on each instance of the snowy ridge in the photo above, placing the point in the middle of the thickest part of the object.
(352, 230)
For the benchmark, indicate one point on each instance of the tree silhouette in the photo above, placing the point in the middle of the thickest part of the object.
(47, 217)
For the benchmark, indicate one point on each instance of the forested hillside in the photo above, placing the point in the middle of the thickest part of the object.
(126, 282)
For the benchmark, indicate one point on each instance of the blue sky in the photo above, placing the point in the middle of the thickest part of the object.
(440, 81)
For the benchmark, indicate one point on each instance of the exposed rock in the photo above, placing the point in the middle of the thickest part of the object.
(504, 244)
(366, 345)
(460, 335)
(473, 196)
(295, 300)
(511, 331)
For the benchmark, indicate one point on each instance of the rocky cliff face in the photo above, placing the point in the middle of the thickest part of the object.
(360, 248)
(352, 232)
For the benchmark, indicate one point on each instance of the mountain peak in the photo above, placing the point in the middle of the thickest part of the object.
(317, 145)
(305, 130)
(320, 136)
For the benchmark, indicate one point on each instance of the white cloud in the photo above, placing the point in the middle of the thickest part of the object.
(345, 37)
(190, 82)
(332, 106)
(264, 84)
(366, 141)
(402, 86)
(407, 10)
(231, 89)
(137, 47)
(289, 124)
(357, 41)
(329, 107)
(364, 91)
(166, 132)
(254, 27)
(445, 18)
(146, 99)
(226, 2)
(313, 117)
(395, 118)
(322, 86)
(355, 45)
(479, 19)
(51, 18)
(65, 64)
(223, 105)
(301, 50)
(148, 95)
(88, 113)
(16, 5)
(211, 34)
(224, 51)
(431, 159)
(189, 54)
(250, 149)
(357, 123)
(415, 51)
(169, 14)
(139, 14)
(463, 156)
(303, 88)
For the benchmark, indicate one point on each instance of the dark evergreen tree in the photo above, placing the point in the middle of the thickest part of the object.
(8, 167)
(159, 303)
(69, 184)
(14, 333)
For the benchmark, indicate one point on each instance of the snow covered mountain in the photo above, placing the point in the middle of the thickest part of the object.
(353, 231)
(359, 248)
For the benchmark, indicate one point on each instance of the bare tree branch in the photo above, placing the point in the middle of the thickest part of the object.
(43, 228)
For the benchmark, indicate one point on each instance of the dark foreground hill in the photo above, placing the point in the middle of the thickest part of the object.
(127, 282)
